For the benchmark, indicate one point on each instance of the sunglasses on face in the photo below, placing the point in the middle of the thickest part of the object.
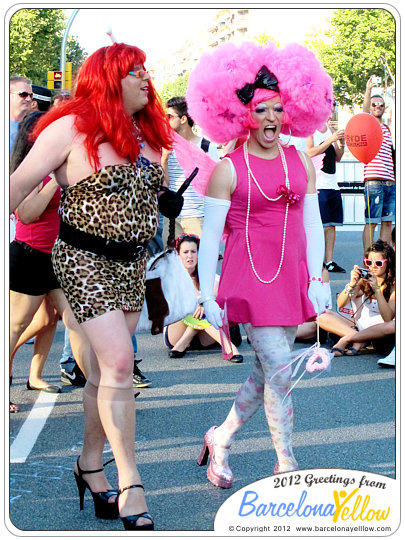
(24, 95)
(377, 104)
(379, 264)
(139, 73)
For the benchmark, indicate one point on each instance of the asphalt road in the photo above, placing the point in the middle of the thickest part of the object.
(344, 419)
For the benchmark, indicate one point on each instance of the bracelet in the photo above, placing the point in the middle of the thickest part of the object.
(349, 289)
(377, 290)
(205, 299)
(315, 279)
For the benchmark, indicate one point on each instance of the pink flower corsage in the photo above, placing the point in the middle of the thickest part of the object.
(288, 194)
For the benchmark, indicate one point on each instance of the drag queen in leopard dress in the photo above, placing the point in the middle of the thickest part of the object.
(104, 146)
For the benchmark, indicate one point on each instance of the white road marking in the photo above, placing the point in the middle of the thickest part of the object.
(32, 427)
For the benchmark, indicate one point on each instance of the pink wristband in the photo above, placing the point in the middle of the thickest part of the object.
(315, 279)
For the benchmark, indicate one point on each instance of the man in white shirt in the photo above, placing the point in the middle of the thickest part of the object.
(331, 143)
(191, 218)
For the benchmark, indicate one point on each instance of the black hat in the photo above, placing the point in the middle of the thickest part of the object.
(43, 96)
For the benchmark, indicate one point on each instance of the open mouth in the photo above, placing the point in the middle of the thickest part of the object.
(269, 133)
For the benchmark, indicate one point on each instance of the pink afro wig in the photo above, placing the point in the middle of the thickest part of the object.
(305, 89)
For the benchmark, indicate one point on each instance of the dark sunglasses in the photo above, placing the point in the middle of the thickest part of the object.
(377, 104)
(24, 95)
(369, 262)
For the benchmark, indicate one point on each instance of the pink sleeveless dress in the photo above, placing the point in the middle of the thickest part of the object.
(284, 302)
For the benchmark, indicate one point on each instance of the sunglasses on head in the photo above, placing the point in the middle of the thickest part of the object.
(369, 262)
(182, 237)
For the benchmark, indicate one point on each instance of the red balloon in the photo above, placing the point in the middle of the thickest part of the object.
(363, 136)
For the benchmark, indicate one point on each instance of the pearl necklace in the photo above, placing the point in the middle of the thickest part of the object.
(287, 183)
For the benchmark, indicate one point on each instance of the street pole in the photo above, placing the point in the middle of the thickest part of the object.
(64, 41)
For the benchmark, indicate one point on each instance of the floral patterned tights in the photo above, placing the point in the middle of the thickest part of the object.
(272, 346)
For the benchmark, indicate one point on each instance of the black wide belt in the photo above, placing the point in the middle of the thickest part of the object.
(111, 249)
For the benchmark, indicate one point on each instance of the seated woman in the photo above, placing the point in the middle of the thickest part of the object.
(193, 331)
(373, 298)
(382, 336)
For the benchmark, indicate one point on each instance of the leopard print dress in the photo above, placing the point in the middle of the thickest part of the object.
(119, 202)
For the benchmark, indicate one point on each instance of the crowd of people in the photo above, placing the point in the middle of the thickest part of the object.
(94, 191)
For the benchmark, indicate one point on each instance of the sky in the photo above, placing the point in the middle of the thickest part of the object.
(160, 30)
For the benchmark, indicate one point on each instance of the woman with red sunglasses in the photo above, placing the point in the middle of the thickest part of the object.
(371, 292)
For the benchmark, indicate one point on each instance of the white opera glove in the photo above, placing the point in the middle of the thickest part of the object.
(213, 313)
(318, 296)
(215, 212)
(317, 293)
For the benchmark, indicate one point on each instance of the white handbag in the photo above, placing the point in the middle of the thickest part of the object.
(166, 273)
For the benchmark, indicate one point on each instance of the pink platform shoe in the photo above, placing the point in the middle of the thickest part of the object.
(219, 475)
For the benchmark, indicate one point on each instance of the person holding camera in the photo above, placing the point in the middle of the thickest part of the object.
(379, 174)
(371, 292)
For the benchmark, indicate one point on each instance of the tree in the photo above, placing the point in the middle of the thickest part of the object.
(352, 49)
(264, 38)
(178, 87)
(35, 44)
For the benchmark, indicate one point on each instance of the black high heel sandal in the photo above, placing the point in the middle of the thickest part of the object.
(130, 522)
(103, 509)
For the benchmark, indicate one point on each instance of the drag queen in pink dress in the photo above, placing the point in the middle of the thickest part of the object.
(262, 196)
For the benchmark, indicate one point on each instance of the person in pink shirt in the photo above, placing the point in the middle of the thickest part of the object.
(36, 298)
(263, 197)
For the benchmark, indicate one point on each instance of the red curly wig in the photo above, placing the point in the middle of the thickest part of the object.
(98, 106)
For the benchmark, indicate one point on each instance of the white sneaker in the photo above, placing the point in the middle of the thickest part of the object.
(388, 361)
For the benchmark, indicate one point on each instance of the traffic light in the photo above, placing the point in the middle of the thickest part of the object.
(68, 76)
(55, 80)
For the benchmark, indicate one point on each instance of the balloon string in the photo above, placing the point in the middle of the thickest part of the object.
(369, 217)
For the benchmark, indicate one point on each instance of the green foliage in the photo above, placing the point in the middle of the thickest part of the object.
(178, 87)
(264, 38)
(352, 49)
(35, 44)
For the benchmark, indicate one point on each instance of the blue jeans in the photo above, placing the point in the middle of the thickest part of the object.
(67, 355)
(381, 196)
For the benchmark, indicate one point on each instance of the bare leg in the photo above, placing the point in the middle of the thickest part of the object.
(213, 333)
(330, 235)
(184, 342)
(175, 331)
(306, 330)
(335, 323)
(110, 337)
(22, 310)
(368, 234)
(80, 344)
(385, 231)
(359, 339)
(94, 435)
(42, 346)
(43, 317)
